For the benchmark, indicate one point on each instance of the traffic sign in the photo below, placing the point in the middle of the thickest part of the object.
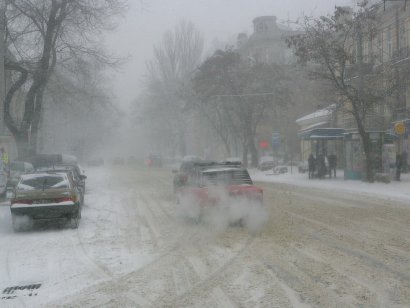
(399, 128)
(264, 144)
(276, 140)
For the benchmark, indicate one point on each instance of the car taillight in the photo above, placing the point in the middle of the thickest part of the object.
(65, 199)
(21, 201)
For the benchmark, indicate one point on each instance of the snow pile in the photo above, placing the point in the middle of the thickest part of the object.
(395, 190)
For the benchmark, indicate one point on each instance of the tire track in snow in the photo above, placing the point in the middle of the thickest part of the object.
(210, 281)
(92, 264)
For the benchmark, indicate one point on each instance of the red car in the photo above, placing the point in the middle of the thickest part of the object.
(218, 184)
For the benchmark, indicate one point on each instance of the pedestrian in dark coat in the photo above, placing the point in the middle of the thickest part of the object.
(321, 166)
(311, 165)
(332, 159)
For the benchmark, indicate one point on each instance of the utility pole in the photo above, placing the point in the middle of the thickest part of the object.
(399, 105)
(2, 57)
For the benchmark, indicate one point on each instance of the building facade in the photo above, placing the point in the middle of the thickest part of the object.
(267, 42)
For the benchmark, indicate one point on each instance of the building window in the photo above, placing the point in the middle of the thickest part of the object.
(389, 43)
(402, 38)
(380, 47)
(369, 50)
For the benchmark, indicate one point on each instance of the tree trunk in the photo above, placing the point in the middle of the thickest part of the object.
(367, 153)
(182, 141)
(227, 147)
(245, 154)
(24, 149)
(37, 117)
(254, 152)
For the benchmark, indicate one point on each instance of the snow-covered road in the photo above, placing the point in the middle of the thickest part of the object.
(320, 249)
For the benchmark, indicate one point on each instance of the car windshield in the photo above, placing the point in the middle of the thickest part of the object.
(42, 182)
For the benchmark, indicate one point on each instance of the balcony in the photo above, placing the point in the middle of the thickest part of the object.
(401, 114)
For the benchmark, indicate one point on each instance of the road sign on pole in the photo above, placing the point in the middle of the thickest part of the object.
(276, 140)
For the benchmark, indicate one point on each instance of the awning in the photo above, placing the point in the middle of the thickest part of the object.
(315, 125)
(323, 134)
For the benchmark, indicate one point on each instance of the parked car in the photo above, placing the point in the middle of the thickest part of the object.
(18, 168)
(41, 160)
(303, 166)
(3, 183)
(118, 161)
(280, 170)
(230, 178)
(236, 160)
(45, 196)
(74, 172)
(266, 163)
(96, 162)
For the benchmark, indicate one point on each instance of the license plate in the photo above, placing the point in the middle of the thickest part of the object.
(41, 201)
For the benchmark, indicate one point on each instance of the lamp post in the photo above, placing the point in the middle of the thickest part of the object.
(2, 57)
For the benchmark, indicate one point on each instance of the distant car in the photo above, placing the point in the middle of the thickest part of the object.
(154, 160)
(132, 160)
(233, 160)
(303, 166)
(191, 158)
(230, 178)
(43, 197)
(266, 163)
(18, 168)
(119, 161)
(186, 170)
(75, 174)
(97, 162)
(280, 170)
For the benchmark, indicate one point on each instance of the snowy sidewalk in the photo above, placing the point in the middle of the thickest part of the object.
(394, 190)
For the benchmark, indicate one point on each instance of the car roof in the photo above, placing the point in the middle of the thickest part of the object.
(42, 174)
(221, 169)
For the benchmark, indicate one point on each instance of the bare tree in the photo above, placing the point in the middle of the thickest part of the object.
(246, 91)
(74, 105)
(169, 72)
(44, 34)
(333, 46)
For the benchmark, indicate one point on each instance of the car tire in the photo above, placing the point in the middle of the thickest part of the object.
(19, 226)
(16, 226)
(74, 222)
(3, 194)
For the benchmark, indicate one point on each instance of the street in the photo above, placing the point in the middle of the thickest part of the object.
(320, 248)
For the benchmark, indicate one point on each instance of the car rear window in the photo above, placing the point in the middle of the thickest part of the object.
(226, 177)
(51, 181)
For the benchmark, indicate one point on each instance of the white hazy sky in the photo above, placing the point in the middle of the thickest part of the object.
(141, 28)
